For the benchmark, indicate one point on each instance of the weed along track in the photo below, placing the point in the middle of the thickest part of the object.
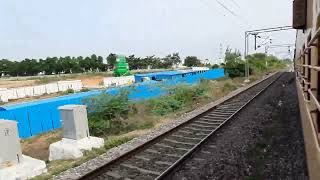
(160, 156)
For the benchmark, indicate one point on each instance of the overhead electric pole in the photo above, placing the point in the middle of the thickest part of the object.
(255, 34)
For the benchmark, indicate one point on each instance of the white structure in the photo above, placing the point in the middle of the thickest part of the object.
(22, 92)
(200, 69)
(14, 165)
(3, 95)
(65, 85)
(118, 81)
(52, 88)
(76, 137)
(39, 90)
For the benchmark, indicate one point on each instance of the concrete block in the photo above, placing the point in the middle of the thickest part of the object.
(3, 96)
(29, 91)
(26, 169)
(39, 90)
(62, 86)
(74, 121)
(73, 149)
(10, 151)
(52, 88)
(21, 93)
(12, 94)
(14, 165)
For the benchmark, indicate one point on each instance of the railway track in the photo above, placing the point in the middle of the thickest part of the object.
(157, 158)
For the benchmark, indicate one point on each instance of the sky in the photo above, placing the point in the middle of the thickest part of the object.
(42, 28)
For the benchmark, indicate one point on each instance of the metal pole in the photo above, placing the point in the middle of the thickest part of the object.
(245, 53)
(255, 41)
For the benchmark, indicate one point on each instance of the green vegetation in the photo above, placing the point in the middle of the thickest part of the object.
(179, 97)
(70, 65)
(258, 63)
(84, 90)
(191, 61)
(68, 91)
(115, 114)
(235, 66)
(107, 113)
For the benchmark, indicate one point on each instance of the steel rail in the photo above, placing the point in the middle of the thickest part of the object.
(102, 169)
(188, 154)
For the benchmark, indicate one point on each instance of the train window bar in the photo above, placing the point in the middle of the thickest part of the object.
(316, 102)
(314, 38)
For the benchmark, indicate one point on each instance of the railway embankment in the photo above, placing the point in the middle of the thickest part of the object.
(263, 141)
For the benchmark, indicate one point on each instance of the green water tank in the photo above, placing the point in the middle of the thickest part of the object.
(122, 67)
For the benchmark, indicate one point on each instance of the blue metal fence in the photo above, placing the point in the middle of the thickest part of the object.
(42, 116)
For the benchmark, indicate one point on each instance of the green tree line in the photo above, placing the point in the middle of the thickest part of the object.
(68, 64)
(259, 62)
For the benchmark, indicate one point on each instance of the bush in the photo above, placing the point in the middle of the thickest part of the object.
(85, 89)
(235, 69)
(70, 91)
(107, 112)
(215, 66)
(228, 87)
(177, 98)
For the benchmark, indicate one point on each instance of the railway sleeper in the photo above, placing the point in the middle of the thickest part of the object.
(198, 130)
(215, 114)
(142, 170)
(172, 147)
(209, 123)
(195, 124)
(209, 120)
(150, 164)
(193, 143)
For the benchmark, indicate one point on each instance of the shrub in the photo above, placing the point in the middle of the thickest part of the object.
(85, 89)
(235, 69)
(70, 91)
(177, 98)
(106, 112)
(228, 87)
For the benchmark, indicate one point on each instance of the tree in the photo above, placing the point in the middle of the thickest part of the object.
(215, 66)
(112, 60)
(192, 61)
(235, 66)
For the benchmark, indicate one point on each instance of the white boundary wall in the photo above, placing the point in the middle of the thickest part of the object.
(200, 69)
(118, 81)
(30, 91)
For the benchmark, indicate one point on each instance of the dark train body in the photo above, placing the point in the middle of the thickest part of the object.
(306, 19)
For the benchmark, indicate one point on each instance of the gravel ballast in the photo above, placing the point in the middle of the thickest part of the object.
(263, 141)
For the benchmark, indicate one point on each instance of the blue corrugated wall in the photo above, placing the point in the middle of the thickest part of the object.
(42, 116)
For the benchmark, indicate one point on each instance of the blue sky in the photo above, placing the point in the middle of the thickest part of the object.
(41, 28)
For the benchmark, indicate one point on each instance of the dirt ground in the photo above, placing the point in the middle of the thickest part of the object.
(38, 147)
(264, 141)
(93, 82)
(16, 83)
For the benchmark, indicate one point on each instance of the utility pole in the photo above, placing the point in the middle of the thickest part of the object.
(255, 34)
(221, 54)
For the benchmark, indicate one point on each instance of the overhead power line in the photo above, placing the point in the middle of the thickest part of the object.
(226, 8)
(207, 5)
(232, 12)
(235, 3)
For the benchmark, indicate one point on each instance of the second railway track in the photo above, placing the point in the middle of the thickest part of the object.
(159, 157)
